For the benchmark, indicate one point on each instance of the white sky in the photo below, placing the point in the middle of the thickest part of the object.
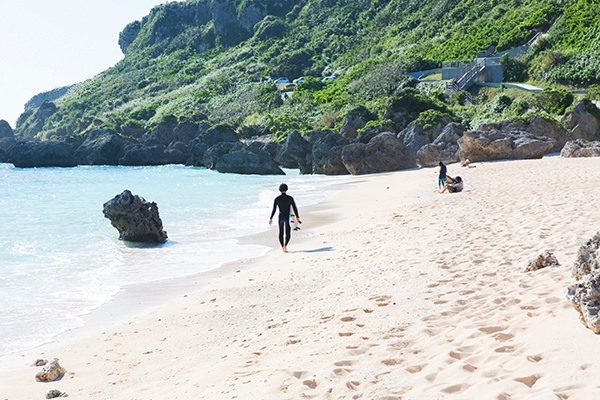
(45, 44)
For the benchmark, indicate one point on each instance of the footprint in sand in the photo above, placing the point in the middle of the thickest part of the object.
(326, 318)
(470, 368)
(455, 388)
(504, 349)
(534, 359)
(492, 329)
(413, 369)
(310, 383)
(299, 374)
(353, 385)
(392, 361)
(345, 363)
(348, 319)
(341, 371)
(529, 380)
(503, 337)
(381, 301)
(357, 351)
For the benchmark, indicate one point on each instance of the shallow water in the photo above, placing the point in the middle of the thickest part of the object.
(60, 258)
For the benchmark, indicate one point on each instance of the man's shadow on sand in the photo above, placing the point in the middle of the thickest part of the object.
(321, 250)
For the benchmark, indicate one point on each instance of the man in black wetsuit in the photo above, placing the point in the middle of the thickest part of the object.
(284, 202)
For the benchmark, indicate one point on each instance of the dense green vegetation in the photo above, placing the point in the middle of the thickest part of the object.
(193, 73)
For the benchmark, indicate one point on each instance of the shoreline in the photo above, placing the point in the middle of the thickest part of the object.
(142, 298)
(401, 293)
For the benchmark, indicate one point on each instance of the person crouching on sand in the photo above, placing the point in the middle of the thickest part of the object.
(284, 202)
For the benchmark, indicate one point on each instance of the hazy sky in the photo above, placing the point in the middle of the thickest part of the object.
(45, 44)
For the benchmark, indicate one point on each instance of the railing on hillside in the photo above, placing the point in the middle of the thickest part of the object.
(452, 87)
(485, 54)
(533, 39)
(466, 77)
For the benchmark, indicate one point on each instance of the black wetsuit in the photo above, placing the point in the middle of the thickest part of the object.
(284, 202)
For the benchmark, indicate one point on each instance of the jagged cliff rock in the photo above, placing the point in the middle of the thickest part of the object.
(5, 129)
(49, 96)
(204, 23)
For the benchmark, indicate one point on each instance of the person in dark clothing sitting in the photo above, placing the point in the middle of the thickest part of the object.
(456, 185)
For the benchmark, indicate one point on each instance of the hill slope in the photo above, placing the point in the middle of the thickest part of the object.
(205, 60)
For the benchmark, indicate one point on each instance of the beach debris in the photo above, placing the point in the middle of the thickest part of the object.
(51, 372)
(55, 393)
(584, 293)
(546, 259)
(40, 362)
(136, 219)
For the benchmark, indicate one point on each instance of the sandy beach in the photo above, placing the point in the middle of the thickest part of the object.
(390, 291)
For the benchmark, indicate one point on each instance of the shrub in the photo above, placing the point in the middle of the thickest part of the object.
(554, 101)
(430, 118)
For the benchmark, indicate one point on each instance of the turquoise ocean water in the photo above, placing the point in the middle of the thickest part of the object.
(60, 258)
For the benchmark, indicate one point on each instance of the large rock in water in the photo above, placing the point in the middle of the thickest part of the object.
(584, 293)
(136, 219)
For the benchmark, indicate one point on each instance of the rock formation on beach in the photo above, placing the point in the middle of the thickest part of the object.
(502, 145)
(584, 293)
(581, 148)
(51, 372)
(546, 259)
(136, 219)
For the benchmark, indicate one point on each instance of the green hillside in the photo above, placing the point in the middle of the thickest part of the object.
(206, 60)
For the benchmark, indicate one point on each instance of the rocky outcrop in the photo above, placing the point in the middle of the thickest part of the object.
(7, 140)
(49, 153)
(101, 147)
(584, 293)
(385, 152)
(201, 24)
(247, 159)
(489, 145)
(354, 120)
(535, 126)
(128, 35)
(142, 154)
(51, 372)
(584, 121)
(295, 152)
(444, 148)
(327, 155)
(5, 130)
(41, 115)
(581, 148)
(414, 136)
(136, 219)
(46, 97)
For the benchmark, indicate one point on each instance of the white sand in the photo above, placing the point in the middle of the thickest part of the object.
(408, 294)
